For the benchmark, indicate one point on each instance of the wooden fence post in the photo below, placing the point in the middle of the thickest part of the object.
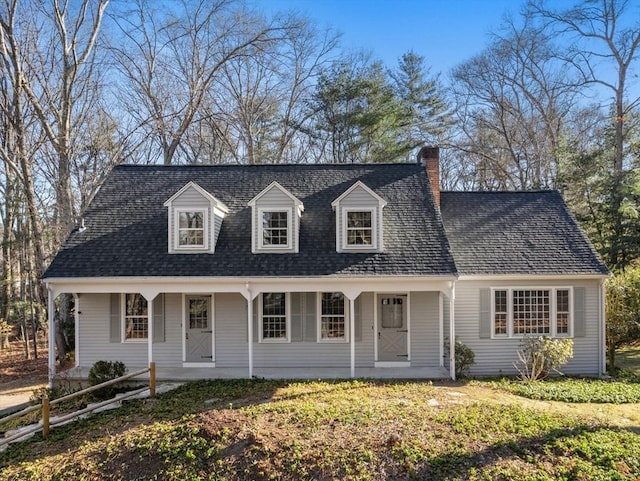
(152, 379)
(45, 417)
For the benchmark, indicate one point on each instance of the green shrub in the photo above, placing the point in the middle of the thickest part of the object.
(538, 357)
(103, 371)
(464, 358)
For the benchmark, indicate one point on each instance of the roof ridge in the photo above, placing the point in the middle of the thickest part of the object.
(255, 166)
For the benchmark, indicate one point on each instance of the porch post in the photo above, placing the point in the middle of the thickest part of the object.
(603, 329)
(250, 330)
(441, 327)
(150, 329)
(52, 335)
(352, 337)
(76, 320)
(452, 332)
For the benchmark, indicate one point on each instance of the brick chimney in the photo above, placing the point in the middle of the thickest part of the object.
(430, 158)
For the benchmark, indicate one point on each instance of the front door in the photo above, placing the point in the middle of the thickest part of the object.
(392, 328)
(199, 329)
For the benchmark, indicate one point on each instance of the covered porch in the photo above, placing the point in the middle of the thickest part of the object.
(240, 338)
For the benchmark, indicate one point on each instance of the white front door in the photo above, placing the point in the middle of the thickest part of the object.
(393, 328)
(198, 329)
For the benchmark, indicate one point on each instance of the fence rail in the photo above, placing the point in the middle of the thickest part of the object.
(46, 405)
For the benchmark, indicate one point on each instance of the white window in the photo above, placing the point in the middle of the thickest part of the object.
(519, 312)
(275, 229)
(333, 326)
(274, 317)
(135, 318)
(191, 232)
(359, 228)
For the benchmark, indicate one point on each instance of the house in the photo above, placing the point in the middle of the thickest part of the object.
(361, 270)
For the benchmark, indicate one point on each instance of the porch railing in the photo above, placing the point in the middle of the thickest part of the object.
(47, 404)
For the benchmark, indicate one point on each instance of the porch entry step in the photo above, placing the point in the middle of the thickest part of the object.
(392, 364)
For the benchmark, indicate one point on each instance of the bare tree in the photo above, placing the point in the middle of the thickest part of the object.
(513, 101)
(172, 58)
(605, 36)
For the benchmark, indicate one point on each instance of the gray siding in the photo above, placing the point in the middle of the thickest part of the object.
(424, 329)
(359, 197)
(231, 330)
(496, 356)
(95, 333)
(274, 199)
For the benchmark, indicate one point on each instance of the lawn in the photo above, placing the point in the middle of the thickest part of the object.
(628, 358)
(357, 430)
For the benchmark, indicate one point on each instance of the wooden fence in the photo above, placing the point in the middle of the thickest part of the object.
(47, 404)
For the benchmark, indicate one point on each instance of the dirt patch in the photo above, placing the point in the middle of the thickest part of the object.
(19, 374)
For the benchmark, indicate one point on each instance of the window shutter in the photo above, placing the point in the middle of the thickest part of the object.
(158, 318)
(311, 318)
(297, 316)
(115, 334)
(485, 313)
(358, 319)
(579, 324)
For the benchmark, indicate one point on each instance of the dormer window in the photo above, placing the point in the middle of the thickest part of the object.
(359, 229)
(194, 220)
(275, 229)
(191, 228)
(275, 221)
(359, 220)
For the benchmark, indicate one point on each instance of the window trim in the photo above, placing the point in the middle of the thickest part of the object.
(553, 301)
(374, 229)
(269, 247)
(176, 230)
(123, 317)
(332, 340)
(287, 310)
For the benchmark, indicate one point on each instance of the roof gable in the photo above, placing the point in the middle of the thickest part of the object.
(192, 185)
(276, 185)
(359, 185)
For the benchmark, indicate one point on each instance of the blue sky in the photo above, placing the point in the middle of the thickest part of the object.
(445, 32)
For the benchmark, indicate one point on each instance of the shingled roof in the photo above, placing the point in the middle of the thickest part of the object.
(516, 233)
(126, 224)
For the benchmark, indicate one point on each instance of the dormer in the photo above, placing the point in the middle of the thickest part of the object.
(194, 220)
(275, 221)
(359, 220)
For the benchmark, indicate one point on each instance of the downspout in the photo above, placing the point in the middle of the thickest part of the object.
(452, 332)
(52, 335)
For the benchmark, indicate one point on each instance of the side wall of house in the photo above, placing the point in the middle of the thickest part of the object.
(497, 356)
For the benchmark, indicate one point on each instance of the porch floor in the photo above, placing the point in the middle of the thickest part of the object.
(195, 373)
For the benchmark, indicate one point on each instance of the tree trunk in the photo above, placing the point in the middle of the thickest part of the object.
(611, 357)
